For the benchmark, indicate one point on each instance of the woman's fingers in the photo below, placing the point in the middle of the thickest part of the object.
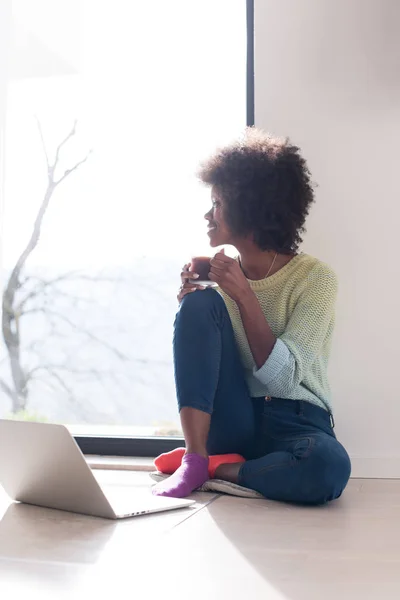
(191, 286)
(188, 288)
(221, 264)
(185, 269)
(218, 269)
(186, 274)
(223, 258)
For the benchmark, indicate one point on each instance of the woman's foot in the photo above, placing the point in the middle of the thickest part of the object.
(228, 472)
(170, 462)
(191, 474)
(218, 461)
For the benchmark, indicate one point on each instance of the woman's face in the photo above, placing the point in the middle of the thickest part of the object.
(218, 232)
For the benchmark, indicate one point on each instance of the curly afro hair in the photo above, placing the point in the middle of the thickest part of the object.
(266, 189)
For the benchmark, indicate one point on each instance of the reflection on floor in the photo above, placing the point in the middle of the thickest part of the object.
(223, 548)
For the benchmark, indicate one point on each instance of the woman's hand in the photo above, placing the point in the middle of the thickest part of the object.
(226, 272)
(187, 287)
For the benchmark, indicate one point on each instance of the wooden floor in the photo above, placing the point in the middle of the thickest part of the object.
(223, 548)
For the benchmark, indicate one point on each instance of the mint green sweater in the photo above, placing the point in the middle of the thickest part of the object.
(299, 304)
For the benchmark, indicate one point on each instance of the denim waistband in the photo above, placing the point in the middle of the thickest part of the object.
(299, 407)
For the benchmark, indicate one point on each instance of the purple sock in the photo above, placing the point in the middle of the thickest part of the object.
(191, 475)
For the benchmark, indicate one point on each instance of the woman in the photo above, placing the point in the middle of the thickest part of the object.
(251, 358)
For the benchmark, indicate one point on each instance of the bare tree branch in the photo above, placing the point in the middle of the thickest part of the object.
(43, 145)
(88, 334)
(42, 289)
(64, 141)
(6, 389)
(74, 299)
(69, 171)
(33, 241)
(55, 371)
(44, 284)
(100, 373)
(11, 312)
(62, 383)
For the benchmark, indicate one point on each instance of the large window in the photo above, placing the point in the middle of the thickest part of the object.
(110, 106)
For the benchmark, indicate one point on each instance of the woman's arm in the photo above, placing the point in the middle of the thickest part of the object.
(227, 273)
(304, 338)
(282, 363)
(258, 332)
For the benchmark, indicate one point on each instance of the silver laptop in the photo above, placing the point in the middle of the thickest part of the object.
(42, 464)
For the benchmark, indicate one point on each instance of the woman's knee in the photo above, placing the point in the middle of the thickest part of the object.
(330, 469)
(200, 314)
(201, 302)
(207, 297)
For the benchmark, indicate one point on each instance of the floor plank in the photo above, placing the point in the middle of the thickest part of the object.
(224, 547)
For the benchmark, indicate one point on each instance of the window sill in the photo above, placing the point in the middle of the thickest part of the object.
(126, 446)
(120, 463)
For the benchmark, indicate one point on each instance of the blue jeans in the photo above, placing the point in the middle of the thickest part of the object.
(291, 451)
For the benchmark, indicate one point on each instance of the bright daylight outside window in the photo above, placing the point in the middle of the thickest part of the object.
(110, 107)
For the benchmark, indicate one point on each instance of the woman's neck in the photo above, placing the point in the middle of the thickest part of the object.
(256, 263)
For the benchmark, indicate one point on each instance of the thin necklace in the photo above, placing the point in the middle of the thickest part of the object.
(269, 270)
(272, 264)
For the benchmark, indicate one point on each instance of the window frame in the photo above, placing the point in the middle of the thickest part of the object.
(152, 446)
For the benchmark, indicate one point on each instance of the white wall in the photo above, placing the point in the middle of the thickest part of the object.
(327, 74)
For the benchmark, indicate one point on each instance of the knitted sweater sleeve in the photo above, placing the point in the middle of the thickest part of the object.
(304, 338)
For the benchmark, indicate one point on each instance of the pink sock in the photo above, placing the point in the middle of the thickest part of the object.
(191, 475)
(169, 462)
